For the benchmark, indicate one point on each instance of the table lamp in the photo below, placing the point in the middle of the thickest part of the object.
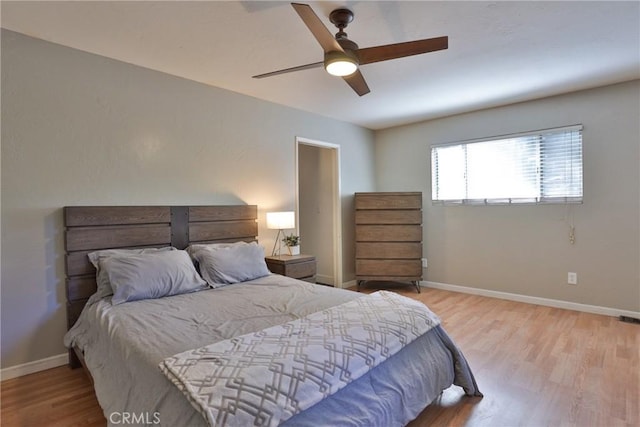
(280, 221)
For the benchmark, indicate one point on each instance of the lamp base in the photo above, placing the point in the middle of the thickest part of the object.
(277, 242)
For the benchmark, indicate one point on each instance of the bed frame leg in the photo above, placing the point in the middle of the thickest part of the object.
(74, 361)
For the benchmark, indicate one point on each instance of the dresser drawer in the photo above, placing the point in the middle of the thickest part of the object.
(389, 233)
(296, 266)
(411, 200)
(386, 268)
(398, 216)
(389, 250)
(300, 270)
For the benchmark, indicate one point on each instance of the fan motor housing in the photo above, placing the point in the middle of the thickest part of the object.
(348, 45)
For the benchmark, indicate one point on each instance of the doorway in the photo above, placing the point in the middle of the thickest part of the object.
(319, 209)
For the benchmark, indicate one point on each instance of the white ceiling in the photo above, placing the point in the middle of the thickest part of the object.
(499, 52)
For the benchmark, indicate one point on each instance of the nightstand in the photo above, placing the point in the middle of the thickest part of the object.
(301, 267)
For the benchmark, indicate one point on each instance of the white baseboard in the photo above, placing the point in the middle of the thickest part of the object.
(323, 278)
(35, 366)
(607, 311)
(349, 284)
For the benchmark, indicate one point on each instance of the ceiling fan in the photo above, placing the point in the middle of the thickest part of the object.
(342, 57)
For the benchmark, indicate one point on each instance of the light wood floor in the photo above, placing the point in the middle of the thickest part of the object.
(537, 366)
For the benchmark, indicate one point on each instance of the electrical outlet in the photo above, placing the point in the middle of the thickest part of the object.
(424, 263)
(572, 278)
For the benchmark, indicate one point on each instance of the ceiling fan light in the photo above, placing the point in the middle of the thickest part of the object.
(340, 64)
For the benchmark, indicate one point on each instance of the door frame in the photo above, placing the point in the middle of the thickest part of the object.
(337, 202)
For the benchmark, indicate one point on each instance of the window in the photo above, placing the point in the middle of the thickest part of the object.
(534, 167)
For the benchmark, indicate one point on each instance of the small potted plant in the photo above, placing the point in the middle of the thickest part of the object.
(292, 242)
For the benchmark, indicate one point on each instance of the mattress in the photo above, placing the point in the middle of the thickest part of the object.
(124, 344)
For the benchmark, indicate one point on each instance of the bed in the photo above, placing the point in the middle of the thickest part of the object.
(138, 351)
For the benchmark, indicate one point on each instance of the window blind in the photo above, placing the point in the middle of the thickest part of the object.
(533, 167)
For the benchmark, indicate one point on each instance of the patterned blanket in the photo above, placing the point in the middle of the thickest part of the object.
(264, 378)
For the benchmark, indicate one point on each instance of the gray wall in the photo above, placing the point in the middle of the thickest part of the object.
(525, 249)
(79, 129)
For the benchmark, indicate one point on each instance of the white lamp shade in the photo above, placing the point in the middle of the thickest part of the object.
(281, 220)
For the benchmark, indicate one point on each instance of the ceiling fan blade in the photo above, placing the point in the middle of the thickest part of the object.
(369, 55)
(290, 70)
(317, 28)
(357, 83)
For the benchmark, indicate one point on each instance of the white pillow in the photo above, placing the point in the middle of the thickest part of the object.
(151, 275)
(228, 264)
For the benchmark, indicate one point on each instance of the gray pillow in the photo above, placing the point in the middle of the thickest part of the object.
(151, 275)
(227, 264)
(193, 248)
(102, 280)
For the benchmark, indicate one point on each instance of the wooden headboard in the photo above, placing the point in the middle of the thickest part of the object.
(90, 228)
